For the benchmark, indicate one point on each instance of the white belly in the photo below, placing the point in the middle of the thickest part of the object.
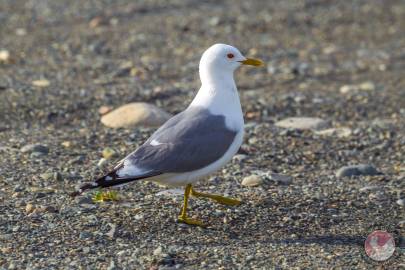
(181, 179)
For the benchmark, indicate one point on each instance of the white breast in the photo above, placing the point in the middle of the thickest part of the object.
(222, 100)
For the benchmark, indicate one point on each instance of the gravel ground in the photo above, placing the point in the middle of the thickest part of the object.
(341, 61)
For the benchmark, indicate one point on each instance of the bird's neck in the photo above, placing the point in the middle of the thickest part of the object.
(214, 77)
(219, 95)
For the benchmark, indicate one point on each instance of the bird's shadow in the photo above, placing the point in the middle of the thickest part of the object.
(271, 228)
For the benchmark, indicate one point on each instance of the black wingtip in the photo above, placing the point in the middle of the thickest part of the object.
(84, 187)
(113, 180)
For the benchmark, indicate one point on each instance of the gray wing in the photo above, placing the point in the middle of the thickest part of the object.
(189, 141)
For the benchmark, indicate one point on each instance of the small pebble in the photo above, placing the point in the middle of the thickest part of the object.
(77, 160)
(158, 251)
(84, 235)
(20, 31)
(367, 86)
(348, 88)
(29, 208)
(302, 123)
(102, 162)
(342, 132)
(112, 231)
(84, 200)
(57, 176)
(66, 144)
(252, 180)
(4, 56)
(31, 148)
(280, 178)
(112, 266)
(46, 176)
(355, 170)
(41, 83)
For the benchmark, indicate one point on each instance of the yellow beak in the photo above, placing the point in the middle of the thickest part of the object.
(252, 62)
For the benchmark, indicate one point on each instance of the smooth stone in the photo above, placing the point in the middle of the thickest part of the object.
(281, 178)
(84, 200)
(18, 188)
(35, 148)
(4, 56)
(85, 235)
(401, 202)
(252, 180)
(77, 160)
(367, 86)
(367, 188)
(112, 266)
(46, 176)
(302, 123)
(57, 176)
(41, 83)
(158, 251)
(29, 208)
(355, 170)
(37, 154)
(239, 157)
(338, 132)
(102, 162)
(364, 86)
(135, 114)
(111, 233)
(348, 88)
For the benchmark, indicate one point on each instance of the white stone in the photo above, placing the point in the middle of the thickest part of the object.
(41, 83)
(252, 180)
(348, 88)
(364, 86)
(302, 123)
(135, 114)
(338, 132)
(367, 86)
(102, 162)
(158, 251)
(4, 55)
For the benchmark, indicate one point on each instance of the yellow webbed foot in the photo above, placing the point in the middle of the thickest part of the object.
(227, 201)
(191, 221)
(216, 198)
(103, 196)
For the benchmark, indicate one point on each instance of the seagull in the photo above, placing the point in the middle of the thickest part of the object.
(196, 142)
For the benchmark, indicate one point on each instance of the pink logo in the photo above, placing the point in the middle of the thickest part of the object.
(379, 245)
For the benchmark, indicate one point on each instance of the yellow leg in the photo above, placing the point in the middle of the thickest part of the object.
(183, 215)
(217, 198)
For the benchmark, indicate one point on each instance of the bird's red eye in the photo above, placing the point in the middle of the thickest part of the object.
(230, 55)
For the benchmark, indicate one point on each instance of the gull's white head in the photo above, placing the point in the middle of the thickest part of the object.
(221, 60)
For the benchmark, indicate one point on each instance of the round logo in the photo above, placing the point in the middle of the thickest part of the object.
(379, 245)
